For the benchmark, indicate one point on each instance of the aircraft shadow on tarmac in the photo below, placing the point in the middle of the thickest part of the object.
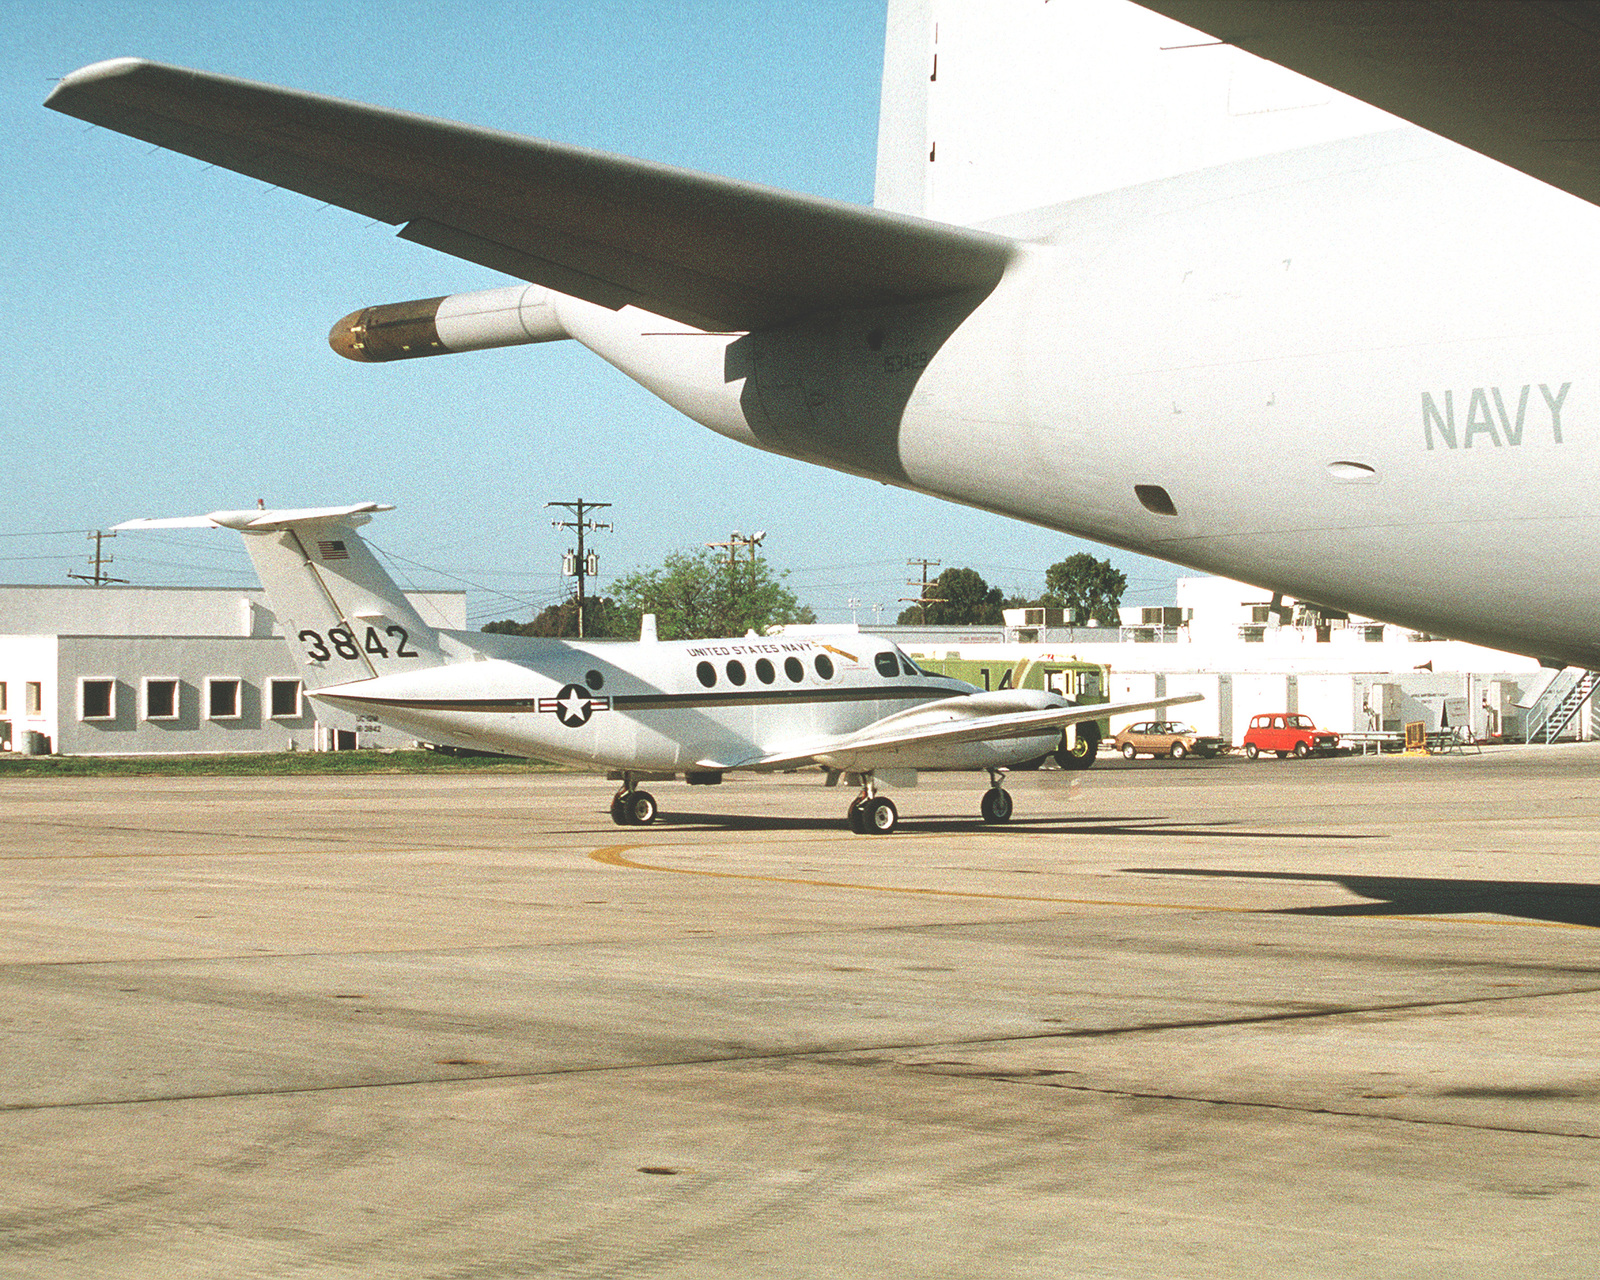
(1551, 901)
(1098, 825)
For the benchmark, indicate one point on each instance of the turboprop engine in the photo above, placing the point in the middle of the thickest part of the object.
(437, 326)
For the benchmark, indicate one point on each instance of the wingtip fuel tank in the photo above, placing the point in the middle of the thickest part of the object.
(438, 326)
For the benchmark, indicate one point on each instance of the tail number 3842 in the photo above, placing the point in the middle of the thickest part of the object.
(343, 642)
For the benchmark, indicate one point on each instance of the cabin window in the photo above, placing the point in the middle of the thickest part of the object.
(735, 671)
(764, 671)
(707, 674)
(160, 699)
(824, 666)
(222, 699)
(97, 699)
(887, 666)
(594, 680)
(283, 696)
(794, 669)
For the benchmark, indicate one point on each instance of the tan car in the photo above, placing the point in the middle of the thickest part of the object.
(1165, 738)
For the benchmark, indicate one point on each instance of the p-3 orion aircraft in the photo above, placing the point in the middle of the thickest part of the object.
(849, 703)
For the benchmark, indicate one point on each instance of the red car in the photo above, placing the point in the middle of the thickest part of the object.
(1283, 733)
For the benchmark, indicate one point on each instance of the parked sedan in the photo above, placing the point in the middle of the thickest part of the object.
(1166, 738)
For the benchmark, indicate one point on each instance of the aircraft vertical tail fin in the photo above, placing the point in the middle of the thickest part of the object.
(343, 615)
(996, 107)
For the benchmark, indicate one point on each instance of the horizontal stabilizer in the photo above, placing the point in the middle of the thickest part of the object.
(258, 518)
(706, 251)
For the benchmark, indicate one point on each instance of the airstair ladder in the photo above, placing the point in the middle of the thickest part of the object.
(1559, 702)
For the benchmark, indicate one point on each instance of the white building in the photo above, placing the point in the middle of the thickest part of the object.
(120, 670)
(1248, 654)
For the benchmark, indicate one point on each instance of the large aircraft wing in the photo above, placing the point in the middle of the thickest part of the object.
(857, 750)
(707, 251)
(1512, 79)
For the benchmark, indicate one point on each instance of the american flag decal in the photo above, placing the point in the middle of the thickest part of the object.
(332, 549)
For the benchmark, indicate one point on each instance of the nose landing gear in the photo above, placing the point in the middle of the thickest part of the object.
(996, 804)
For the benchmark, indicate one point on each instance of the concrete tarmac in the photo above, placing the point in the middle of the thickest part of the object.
(1201, 1019)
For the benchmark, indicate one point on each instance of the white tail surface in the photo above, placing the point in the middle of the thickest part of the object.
(344, 617)
(996, 107)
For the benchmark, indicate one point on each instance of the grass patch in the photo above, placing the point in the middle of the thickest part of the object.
(262, 764)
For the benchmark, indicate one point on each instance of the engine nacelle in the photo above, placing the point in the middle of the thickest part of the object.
(437, 326)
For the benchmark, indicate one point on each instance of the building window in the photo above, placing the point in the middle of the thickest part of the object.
(35, 698)
(1374, 635)
(222, 699)
(97, 699)
(2, 695)
(160, 699)
(1253, 635)
(284, 699)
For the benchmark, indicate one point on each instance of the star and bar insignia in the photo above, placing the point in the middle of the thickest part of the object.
(574, 705)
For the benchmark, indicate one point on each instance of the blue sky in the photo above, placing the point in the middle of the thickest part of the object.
(168, 322)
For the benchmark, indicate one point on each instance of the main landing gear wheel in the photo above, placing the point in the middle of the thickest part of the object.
(996, 805)
(633, 808)
(1129, 751)
(879, 816)
(853, 815)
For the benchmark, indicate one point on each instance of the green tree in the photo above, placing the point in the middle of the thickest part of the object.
(696, 594)
(1084, 583)
(602, 619)
(965, 599)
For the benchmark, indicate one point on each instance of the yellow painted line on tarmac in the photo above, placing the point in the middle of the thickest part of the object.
(615, 855)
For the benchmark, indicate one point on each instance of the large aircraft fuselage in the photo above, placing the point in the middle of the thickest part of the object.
(1363, 374)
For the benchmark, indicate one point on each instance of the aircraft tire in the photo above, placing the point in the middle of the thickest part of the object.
(1081, 754)
(1251, 751)
(641, 807)
(996, 805)
(619, 811)
(853, 816)
(879, 817)
(1129, 751)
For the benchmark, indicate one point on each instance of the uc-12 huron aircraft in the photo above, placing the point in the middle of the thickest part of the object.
(850, 703)
(1206, 308)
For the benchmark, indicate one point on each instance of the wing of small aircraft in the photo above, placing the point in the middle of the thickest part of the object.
(707, 251)
(858, 750)
(1512, 79)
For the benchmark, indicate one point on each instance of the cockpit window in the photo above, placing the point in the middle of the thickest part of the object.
(909, 667)
(888, 668)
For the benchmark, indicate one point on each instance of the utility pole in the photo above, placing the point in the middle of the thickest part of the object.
(99, 559)
(584, 564)
(922, 600)
(735, 541)
(852, 604)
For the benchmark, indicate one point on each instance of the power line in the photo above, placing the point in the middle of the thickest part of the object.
(585, 565)
(923, 600)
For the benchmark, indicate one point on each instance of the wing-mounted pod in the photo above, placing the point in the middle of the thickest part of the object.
(437, 326)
